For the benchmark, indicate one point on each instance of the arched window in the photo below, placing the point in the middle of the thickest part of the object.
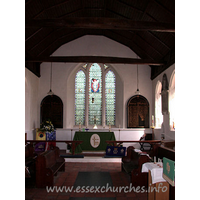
(158, 108)
(80, 97)
(138, 112)
(172, 101)
(52, 109)
(110, 97)
(95, 94)
(96, 102)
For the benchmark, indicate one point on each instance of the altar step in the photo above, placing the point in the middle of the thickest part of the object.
(94, 159)
(89, 156)
(86, 153)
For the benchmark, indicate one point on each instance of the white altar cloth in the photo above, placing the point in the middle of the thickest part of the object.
(156, 171)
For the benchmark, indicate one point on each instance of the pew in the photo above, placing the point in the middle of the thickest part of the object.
(48, 164)
(74, 144)
(29, 154)
(29, 165)
(166, 150)
(132, 164)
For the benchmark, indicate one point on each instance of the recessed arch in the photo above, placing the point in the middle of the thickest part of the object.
(158, 105)
(138, 112)
(52, 109)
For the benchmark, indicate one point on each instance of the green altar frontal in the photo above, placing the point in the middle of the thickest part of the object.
(93, 141)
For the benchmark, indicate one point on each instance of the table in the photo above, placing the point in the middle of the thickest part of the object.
(93, 141)
(158, 188)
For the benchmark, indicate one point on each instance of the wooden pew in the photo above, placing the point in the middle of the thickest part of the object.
(74, 144)
(132, 164)
(166, 150)
(47, 165)
(29, 154)
(29, 165)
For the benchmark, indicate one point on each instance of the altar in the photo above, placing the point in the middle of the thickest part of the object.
(93, 141)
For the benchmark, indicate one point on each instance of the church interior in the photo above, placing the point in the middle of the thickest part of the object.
(99, 98)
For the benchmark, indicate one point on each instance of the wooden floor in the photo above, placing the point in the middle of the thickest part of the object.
(67, 179)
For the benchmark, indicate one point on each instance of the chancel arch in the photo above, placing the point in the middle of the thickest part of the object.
(138, 112)
(52, 109)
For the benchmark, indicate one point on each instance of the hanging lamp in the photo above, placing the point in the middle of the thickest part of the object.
(137, 91)
(50, 92)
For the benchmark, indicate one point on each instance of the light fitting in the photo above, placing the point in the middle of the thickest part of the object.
(50, 91)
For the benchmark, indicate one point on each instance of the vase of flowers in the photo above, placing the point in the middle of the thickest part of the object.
(48, 127)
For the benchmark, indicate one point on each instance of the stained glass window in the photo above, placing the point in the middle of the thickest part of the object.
(110, 97)
(80, 97)
(95, 95)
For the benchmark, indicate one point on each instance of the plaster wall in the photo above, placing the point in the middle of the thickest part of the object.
(63, 80)
(64, 75)
(31, 103)
(169, 134)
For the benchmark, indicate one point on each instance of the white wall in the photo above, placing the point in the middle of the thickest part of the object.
(63, 85)
(31, 103)
(169, 134)
(64, 75)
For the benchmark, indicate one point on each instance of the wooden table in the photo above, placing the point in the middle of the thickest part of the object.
(73, 143)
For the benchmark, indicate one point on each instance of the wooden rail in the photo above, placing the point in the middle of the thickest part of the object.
(118, 143)
(73, 143)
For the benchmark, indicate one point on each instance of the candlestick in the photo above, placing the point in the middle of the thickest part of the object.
(79, 126)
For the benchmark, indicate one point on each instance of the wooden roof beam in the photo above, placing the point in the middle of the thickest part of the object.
(92, 59)
(102, 23)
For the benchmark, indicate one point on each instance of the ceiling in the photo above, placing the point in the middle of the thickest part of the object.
(145, 26)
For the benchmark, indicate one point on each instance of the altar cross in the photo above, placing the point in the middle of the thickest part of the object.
(94, 139)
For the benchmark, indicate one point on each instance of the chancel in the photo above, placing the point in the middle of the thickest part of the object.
(113, 83)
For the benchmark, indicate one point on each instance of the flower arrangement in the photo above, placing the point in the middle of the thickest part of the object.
(47, 126)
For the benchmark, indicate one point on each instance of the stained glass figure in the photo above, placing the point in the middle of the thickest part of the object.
(95, 94)
(80, 81)
(110, 97)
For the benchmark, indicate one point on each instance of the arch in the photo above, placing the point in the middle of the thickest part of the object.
(110, 97)
(52, 109)
(95, 94)
(172, 101)
(172, 81)
(80, 83)
(138, 112)
(158, 105)
(70, 104)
